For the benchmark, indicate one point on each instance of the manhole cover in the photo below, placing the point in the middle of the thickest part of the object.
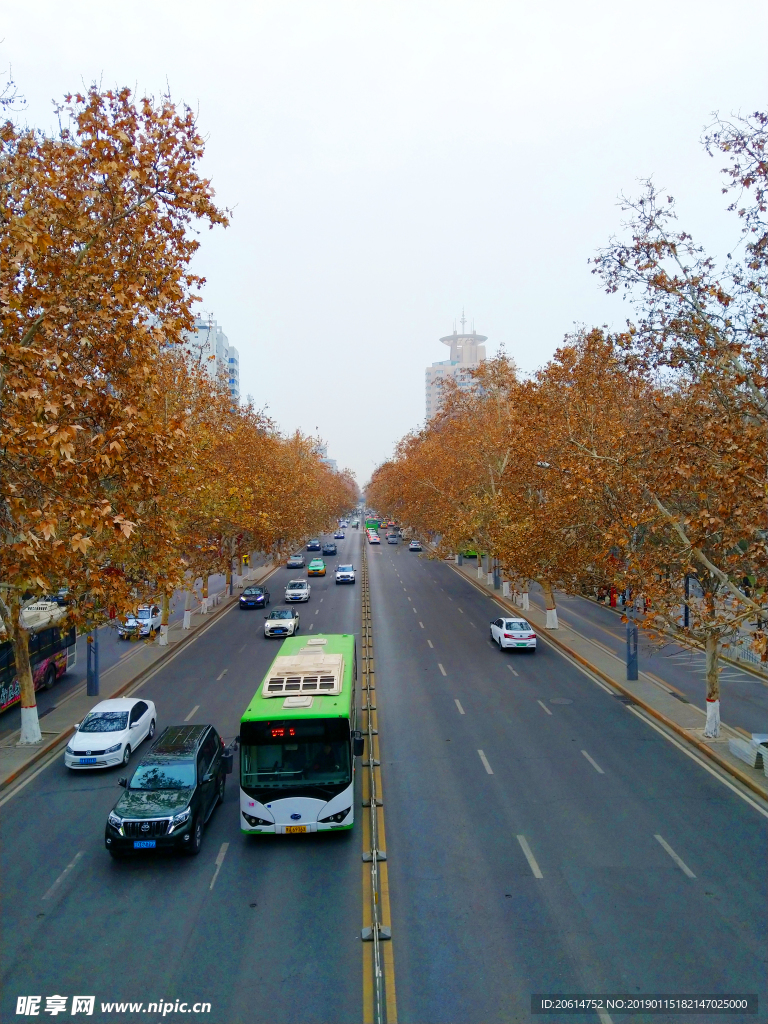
(560, 700)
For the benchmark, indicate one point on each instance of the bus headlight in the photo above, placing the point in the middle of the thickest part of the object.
(335, 818)
(253, 821)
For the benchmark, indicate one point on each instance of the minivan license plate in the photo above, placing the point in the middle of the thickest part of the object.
(144, 844)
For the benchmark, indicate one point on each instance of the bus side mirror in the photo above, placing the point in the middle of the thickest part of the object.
(358, 743)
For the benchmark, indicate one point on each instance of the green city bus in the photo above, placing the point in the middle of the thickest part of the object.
(298, 740)
(372, 524)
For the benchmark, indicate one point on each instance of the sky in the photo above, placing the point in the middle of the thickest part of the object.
(391, 163)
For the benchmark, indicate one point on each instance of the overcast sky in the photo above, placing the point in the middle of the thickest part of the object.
(390, 162)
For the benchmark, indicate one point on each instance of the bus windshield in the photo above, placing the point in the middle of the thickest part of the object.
(295, 753)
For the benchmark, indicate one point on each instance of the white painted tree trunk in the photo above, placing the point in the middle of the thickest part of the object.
(164, 616)
(549, 604)
(30, 726)
(187, 609)
(489, 579)
(480, 572)
(505, 589)
(524, 602)
(712, 727)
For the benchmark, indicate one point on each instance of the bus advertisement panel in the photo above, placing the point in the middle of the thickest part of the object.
(298, 740)
(52, 652)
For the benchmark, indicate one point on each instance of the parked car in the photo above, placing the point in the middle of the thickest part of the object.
(296, 561)
(254, 597)
(513, 633)
(281, 622)
(313, 545)
(316, 567)
(146, 620)
(298, 590)
(172, 793)
(110, 732)
(414, 546)
(345, 574)
(329, 549)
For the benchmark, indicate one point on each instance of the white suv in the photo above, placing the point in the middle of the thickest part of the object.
(147, 618)
(345, 574)
(298, 590)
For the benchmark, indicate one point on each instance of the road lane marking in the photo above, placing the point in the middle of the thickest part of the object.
(544, 706)
(311, 625)
(484, 759)
(63, 875)
(448, 596)
(514, 673)
(529, 857)
(442, 669)
(460, 609)
(317, 612)
(242, 648)
(594, 763)
(192, 712)
(415, 612)
(422, 625)
(458, 705)
(680, 863)
(219, 861)
(473, 625)
(221, 675)
(409, 599)
(431, 644)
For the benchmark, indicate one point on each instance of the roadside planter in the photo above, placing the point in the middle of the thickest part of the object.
(753, 752)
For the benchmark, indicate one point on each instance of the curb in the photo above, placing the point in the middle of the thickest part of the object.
(679, 730)
(61, 737)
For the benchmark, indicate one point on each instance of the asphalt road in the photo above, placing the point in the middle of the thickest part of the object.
(476, 930)
(276, 938)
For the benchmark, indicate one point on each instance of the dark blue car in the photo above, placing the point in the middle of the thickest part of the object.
(254, 597)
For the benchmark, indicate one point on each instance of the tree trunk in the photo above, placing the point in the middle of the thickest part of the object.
(187, 608)
(165, 613)
(712, 649)
(526, 603)
(204, 599)
(549, 604)
(30, 723)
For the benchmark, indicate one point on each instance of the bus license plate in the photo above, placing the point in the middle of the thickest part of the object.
(144, 844)
(87, 760)
(295, 828)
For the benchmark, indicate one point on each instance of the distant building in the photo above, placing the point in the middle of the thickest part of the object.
(322, 451)
(467, 352)
(209, 348)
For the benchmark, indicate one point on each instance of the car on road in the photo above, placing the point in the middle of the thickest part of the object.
(329, 549)
(110, 732)
(392, 538)
(282, 622)
(345, 574)
(355, 524)
(316, 567)
(373, 538)
(414, 546)
(298, 590)
(296, 561)
(254, 597)
(145, 621)
(343, 524)
(339, 535)
(172, 794)
(513, 633)
(313, 545)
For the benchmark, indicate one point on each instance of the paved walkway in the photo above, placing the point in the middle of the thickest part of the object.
(648, 692)
(138, 662)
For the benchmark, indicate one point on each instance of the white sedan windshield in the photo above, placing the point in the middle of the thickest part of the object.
(105, 721)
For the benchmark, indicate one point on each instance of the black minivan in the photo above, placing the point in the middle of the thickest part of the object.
(172, 793)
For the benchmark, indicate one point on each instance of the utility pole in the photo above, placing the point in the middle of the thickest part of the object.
(631, 642)
(686, 610)
(92, 663)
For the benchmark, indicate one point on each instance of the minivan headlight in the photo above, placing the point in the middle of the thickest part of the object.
(181, 817)
(111, 750)
(115, 821)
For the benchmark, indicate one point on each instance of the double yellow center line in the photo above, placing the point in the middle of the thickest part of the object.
(379, 998)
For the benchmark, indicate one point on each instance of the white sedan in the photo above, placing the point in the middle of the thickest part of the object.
(110, 732)
(513, 633)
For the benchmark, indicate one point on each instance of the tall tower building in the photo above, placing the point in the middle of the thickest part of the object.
(467, 352)
(209, 348)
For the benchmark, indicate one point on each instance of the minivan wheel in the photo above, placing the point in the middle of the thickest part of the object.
(127, 753)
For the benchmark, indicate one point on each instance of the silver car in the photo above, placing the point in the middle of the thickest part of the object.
(298, 590)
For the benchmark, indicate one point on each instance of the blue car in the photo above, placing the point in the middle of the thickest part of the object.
(254, 597)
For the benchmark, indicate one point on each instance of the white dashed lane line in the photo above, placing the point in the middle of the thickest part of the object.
(221, 675)
(514, 673)
(422, 625)
(194, 710)
(594, 763)
(680, 863)
(442, 669)
(544, 706)
(69, 868)
(484, 759)
(458, 705)
(529, 857)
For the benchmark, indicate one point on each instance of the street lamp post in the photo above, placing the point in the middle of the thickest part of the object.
(686, 610)
(92, 663)
(631, 642)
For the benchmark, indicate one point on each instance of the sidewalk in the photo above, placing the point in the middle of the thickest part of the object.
(650, 694)
(140, 659)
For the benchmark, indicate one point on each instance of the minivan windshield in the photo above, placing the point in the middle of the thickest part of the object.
(179, 775)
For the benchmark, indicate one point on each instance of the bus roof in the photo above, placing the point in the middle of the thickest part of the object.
(293, 651)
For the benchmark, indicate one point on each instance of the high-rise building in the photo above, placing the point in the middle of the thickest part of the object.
(467, 352)
(208, 347)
